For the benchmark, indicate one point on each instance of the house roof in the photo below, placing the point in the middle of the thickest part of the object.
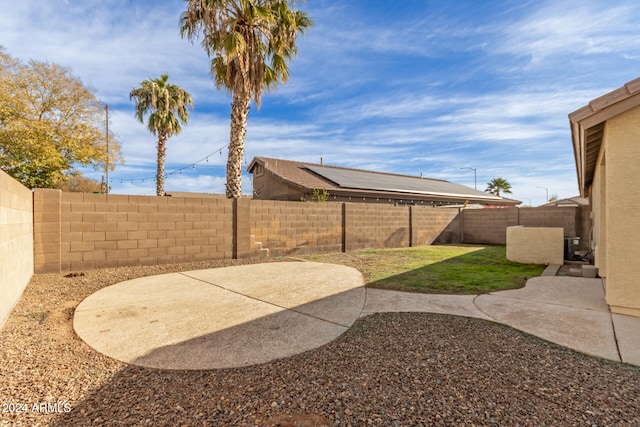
(346, 181)
(587, 128)
(569, 202)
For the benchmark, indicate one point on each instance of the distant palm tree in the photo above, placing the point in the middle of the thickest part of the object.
(496, 185)
(250, 42)
(163, 101)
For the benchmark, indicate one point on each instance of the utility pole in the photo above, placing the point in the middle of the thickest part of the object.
(547, 190)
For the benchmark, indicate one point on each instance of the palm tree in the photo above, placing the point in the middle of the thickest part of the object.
(496, 185)
(250, 42)
(163, 101)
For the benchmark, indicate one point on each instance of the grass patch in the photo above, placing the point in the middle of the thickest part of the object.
(441, 269)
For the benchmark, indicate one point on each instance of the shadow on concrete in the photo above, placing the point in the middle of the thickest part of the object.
(222, 318)
(266, 338)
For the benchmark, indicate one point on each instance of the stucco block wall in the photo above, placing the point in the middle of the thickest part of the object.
(371, 226)
(296, 228)
(16, 242)
(622, 195)
(535, 245)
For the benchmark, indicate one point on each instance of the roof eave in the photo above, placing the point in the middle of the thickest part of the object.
(597, 112)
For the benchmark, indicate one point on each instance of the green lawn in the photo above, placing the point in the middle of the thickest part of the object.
(442, 269)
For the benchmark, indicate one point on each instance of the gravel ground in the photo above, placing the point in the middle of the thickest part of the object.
(393, 369)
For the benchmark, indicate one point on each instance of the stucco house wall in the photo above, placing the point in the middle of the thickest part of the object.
(606, 144)
(598, 212)
(619, 228)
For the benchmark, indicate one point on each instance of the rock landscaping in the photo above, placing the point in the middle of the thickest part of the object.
(389, 369)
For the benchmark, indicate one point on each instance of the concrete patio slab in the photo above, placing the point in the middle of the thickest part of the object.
(586, 330)
(381, 301)
(566, 291)
(239, 316)
(628, 335)
(209, 319)
(316, 289)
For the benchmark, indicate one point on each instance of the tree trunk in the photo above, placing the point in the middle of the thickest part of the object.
(239, 114)
(162, 154)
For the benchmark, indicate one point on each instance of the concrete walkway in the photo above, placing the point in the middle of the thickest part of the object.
(239, 316)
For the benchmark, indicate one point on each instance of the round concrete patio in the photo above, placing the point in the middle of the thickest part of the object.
(223, 317)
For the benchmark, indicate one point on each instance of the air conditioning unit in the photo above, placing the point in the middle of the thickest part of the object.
(571, 248)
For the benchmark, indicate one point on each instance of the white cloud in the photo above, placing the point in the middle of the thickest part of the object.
(421, 87)
(571, 28)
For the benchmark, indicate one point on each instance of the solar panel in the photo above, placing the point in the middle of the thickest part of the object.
(364, 180)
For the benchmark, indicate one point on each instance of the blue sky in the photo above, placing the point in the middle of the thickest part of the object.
(407, 87)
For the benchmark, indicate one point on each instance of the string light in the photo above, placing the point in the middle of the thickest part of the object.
(179, 171)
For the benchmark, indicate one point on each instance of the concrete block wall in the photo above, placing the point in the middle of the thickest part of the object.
(487, 226)
(372, 226)
(78, 231)
(584, 227)
(287, 228)
(98, 231)
(550, 217)
(46, 230)
(241, 228)
(16, 242)
(430, 226)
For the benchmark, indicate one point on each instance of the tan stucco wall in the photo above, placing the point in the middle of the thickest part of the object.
(16, 242)
(598, 206)
(535, 245)
(621, 194)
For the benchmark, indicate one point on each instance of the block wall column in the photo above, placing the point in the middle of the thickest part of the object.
(47, 230)
(241, 227)
(344, 227)
(412, 237)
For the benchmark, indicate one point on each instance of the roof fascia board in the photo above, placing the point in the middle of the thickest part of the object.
(610, 111)
(596, 112)
(578, 154)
